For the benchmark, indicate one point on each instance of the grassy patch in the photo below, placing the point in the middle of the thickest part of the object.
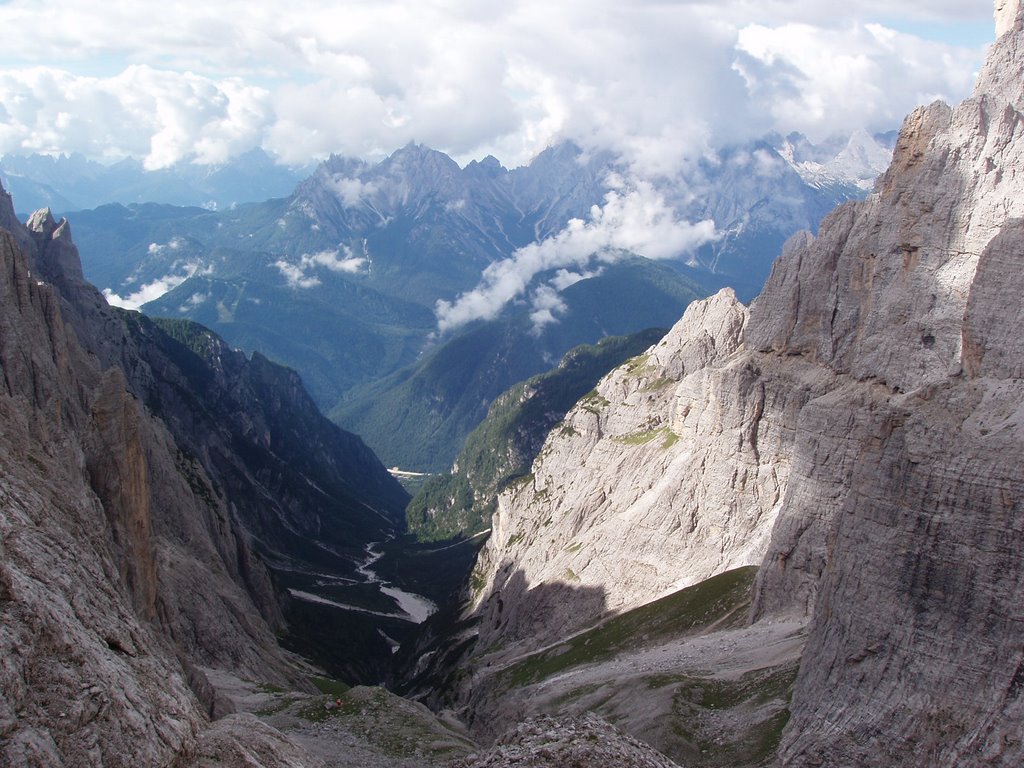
(477, 582)
(688, 610)
(642, 437)
(637, 364)
(657, 384)
(754, 709)
(593, 401)
(318, 711)
(645, 436)
(329, 685)
(278, 705)
(387, 722)
(269, 688)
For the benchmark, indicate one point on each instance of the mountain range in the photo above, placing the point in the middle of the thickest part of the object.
(66, 183)
(348, 279)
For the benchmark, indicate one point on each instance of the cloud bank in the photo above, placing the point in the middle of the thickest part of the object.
(656, 80)
(635, 219)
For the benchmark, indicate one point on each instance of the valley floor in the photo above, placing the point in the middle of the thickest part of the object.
(717, 697)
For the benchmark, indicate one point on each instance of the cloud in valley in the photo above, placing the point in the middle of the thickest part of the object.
(302, 274)
(633, 220)
(154, 289)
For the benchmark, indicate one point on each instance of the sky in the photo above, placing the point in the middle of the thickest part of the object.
(657, 81)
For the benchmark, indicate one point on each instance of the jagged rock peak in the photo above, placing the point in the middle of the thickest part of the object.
(1002, 76)
(634, 486)
(56, 254)
(842, 298)
(42, 222)
(1007, 14)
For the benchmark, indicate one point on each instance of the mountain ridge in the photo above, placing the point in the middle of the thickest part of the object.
(137, 478)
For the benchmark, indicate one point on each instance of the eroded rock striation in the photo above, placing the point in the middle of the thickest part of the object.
(857, 432)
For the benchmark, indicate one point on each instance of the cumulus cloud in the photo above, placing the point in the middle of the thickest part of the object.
(195, 300)
(564, 278)
(822, 82)
(635, 219)
(660, 82)
(295, 275)
(159, 116)
(299, 275)
(546, 307)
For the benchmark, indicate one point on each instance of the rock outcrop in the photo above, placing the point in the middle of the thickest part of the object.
(865, 414)
(902, 523)
(549, 742)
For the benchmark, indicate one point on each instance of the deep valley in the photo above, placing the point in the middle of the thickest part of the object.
(374, 475)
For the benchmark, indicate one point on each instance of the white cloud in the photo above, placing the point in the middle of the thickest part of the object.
(823, 82)
(194, 301)
(546, 307)
(295, 275)
(564, 278)
(352, 192)
(336, 261)
(298, 275)
(172, 245)
(634, 219)
(157, 115)
(657, 80)
(153, 290)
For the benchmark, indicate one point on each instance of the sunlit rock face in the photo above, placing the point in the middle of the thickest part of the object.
(858, 431)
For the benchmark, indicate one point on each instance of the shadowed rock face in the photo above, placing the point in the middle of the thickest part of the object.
(868, 415)
(85, 676)
(138, 480)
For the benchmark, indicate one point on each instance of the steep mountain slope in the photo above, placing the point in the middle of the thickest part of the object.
(856, 432)
(671, 471)
(461, 502)
(108, 554)
(142, 482)
(419, 417)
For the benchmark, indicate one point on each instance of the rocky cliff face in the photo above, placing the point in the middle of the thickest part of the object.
(131, 534)
(858, 429)
(672, 470)
(903, 523)
(85, 675)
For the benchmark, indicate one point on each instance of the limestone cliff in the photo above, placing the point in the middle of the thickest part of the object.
(671, 471)
(902, 523)
(857, 432)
